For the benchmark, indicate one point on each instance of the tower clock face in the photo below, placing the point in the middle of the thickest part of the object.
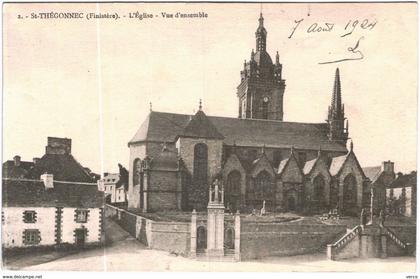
(265, 99)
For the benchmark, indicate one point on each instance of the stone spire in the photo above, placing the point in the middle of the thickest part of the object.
(336, 117)
(336, 106)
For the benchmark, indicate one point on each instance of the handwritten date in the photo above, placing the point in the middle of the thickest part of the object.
(348, 29)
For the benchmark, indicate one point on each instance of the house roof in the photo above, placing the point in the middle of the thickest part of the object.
(165, 127)
(372, 172)
(405, 180)
(32, 193)
(11, 170)
(64, 167)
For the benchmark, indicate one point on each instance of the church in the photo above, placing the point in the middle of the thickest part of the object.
(258, 158)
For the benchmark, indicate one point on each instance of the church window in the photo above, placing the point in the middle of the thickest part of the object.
(350, 189)
(233, 190)
(137, 171)
(319, 186)
(200, 163)
(265, 109)
(263, 186)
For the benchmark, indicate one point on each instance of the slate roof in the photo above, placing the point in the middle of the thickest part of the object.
(26, 193)
(201, 127)
(165, 127)
(11, 170)
(309, 165)
(372, 172)
(64, 167)
(282, 165)
(405, 180)
(263, 58)
(337, 163)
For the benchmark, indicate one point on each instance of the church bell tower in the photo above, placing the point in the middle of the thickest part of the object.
(261, 90)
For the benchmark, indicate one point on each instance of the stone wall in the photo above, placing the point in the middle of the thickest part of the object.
(162, 190)
(186, 151)
(260, 240)
(173, 237)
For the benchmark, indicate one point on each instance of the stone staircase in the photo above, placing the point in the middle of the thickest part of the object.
(368, 241)
(336, 247)
(407, 247)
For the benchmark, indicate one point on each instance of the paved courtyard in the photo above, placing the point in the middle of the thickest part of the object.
(124, 253)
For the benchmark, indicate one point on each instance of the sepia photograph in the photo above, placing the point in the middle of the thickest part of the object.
(209, 137)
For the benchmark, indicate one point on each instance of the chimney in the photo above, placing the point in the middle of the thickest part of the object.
(16, 159)
(58, 146)
(387, 166)
(35, 160)
(48, 180)
(100, 183)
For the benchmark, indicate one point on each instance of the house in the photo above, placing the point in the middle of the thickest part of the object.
(52, 200)
(402, 195)
(379, 179)
(115, 186)
(45, 212)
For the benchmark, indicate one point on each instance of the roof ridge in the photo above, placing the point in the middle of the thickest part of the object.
(244, 119)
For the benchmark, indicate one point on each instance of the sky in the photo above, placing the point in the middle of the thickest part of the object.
(92, 80)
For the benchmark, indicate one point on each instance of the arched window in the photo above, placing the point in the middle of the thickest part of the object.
(200, 163)
(136, 171)
(319, 187)
(265, 109)
(263, 186)
(233, 190)
(350, 190)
